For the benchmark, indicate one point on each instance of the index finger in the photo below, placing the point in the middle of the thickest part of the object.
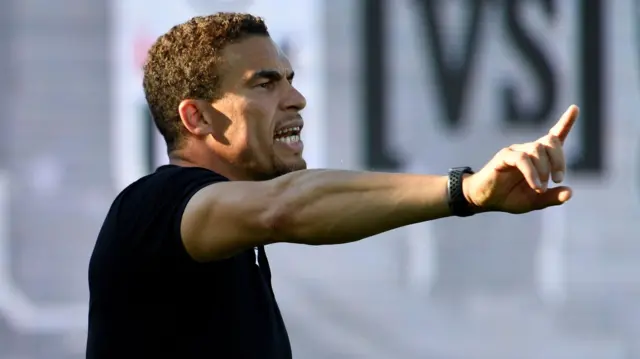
(564, 125)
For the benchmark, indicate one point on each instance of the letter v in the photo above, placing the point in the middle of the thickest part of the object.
(452, 79)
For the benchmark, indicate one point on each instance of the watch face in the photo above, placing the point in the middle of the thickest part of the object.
(462, 169)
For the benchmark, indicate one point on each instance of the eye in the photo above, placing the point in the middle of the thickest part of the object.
(267, 85)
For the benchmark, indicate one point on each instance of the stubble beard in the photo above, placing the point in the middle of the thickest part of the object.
(277, 168)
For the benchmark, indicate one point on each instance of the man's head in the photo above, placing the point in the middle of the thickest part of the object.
(220, 92)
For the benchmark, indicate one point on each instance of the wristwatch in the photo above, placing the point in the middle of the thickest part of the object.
(458, 204)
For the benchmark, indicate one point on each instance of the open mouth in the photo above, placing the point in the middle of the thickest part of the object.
(288, 135)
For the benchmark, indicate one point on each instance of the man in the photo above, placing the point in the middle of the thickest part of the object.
(179, 268)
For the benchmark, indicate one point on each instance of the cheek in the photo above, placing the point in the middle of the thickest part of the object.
(259, 122)
(238, 135)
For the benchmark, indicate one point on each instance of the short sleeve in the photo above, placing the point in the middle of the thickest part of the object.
(151, 212)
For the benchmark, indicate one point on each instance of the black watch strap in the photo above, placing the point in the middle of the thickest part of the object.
(458, 204)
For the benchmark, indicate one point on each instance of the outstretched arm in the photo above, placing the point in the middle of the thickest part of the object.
(310, 207)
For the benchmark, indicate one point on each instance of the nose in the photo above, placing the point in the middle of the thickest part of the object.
(294, 100)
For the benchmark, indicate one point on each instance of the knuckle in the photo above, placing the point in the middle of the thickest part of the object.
(553, 140)
(557, 155)
(537, 148)
(506, 151)
(546, 139)
(521, 156)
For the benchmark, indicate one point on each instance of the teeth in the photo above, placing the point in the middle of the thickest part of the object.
(291, 129)
(288, 139)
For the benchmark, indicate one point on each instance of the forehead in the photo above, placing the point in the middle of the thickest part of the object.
(253, 54)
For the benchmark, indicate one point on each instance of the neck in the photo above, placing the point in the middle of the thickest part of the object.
(193, 158)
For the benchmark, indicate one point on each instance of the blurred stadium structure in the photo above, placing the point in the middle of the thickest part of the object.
(401, 85)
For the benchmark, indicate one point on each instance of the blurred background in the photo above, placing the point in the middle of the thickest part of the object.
(395, 85)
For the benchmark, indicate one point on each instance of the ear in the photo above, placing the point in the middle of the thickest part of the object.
(192, 113)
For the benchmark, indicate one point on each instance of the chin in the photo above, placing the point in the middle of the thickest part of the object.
(290, 165)
(280, 167)
(297, 165)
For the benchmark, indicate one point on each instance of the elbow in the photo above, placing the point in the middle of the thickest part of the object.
(287, 216)
(286, 219)
(279, 223)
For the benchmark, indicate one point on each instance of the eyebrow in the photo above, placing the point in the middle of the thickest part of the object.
(271, 75)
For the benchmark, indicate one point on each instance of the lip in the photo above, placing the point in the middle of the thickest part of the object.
(296, 147)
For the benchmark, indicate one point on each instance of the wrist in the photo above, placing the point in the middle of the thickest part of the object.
(467, 193)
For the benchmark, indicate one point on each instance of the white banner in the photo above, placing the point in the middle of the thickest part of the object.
(499, 64)
(136, 24)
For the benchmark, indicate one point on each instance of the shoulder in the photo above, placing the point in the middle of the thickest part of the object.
(170, 181)
(166, 191)
(151, 208)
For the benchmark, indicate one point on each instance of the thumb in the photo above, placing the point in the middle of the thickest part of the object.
(553, 197)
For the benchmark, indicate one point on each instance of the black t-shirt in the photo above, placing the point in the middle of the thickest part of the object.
(149, 299)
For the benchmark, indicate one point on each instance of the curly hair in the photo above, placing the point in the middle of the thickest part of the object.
(184, 64)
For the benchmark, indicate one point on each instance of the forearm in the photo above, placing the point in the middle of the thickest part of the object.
(331, 207)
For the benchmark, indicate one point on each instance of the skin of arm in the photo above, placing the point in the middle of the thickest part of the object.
(313, 207)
